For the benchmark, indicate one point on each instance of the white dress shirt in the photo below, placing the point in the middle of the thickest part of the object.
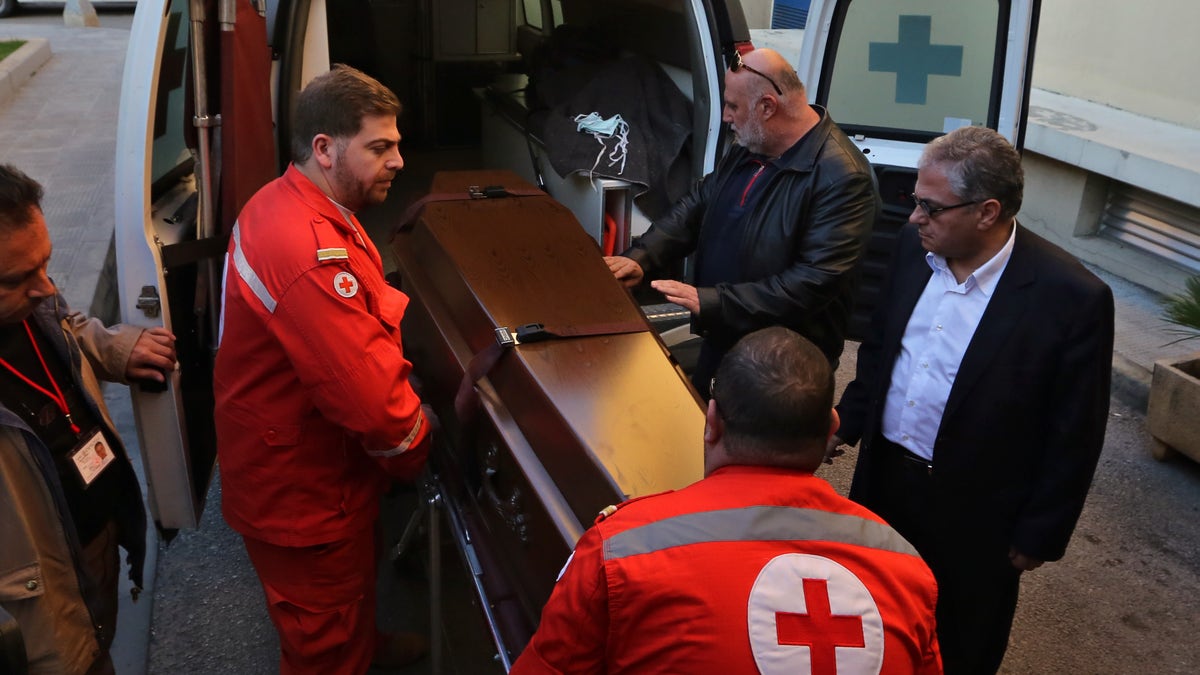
(938, 332)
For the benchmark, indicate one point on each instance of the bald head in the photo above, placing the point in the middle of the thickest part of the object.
(765, 103)
(771, 63)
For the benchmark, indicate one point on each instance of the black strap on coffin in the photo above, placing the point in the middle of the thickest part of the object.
(473, 192)
(482, 362)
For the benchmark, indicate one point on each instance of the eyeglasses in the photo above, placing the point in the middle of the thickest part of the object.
(932, 211)
(736, 64)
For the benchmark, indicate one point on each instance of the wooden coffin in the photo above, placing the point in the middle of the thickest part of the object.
(560, 428)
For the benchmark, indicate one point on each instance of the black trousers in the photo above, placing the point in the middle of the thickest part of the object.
(977, 584)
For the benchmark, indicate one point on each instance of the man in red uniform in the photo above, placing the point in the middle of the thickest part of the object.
(314, 409)
(758, 568)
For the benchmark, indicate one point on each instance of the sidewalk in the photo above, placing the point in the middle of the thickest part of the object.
(1141, 338)
(60, 128)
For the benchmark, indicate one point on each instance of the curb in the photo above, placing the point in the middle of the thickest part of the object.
(1130, 383)
(21, 65)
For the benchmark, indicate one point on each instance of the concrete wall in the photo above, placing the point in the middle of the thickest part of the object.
(1063, 203)
(758, 13)
(1137, 56)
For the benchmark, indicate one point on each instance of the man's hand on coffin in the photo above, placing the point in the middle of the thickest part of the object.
(679, 293)
(625, 270)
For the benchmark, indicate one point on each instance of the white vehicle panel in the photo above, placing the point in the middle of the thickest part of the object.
(139, 233)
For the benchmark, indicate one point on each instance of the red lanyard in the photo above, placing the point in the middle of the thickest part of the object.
(56, 395)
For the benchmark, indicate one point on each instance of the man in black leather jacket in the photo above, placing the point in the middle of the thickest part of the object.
(778, 227)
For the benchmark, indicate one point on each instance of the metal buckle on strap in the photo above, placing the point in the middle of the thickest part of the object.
(530, 332)
(488, 192)
(533, 332)
(504, 338)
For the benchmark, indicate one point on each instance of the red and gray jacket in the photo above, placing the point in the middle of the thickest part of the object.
(751, 570)
(311, 383)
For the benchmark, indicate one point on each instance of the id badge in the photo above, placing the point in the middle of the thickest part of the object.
(92, 456)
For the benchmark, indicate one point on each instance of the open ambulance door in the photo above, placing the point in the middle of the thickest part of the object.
(194, 141)
(895, 74)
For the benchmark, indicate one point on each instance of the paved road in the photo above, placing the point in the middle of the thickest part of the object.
(1126, 598)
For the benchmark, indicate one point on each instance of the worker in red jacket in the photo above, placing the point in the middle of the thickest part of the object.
(314, 409)
(758, 568)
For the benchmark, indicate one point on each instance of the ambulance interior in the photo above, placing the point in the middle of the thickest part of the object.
(505, 84)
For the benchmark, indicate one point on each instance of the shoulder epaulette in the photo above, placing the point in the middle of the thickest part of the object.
(326, 254)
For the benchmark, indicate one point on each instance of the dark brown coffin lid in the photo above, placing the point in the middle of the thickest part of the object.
(520, 260)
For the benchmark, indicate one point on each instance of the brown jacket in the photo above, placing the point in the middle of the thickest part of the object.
(41, 582)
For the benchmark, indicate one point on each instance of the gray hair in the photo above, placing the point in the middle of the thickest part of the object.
(979, 164)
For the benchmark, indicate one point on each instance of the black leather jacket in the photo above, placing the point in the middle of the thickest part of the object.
(799, 252)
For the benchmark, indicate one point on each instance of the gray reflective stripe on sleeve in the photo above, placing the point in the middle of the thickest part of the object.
(247, 273)
(224, 287)
(755, 523)
(412, 435)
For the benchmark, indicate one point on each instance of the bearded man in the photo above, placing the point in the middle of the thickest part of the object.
(314, 410)
(777, 228)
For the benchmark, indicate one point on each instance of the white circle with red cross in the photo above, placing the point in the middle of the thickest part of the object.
(345, 284)
(809, 614)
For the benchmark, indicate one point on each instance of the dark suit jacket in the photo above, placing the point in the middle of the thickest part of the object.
(1024, 424)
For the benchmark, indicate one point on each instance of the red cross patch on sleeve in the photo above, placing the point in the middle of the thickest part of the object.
(345, 284)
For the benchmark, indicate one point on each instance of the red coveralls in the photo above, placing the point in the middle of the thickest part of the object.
(750, 570)
(312, 399)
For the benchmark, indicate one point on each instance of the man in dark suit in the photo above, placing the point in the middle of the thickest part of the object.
(981, 394)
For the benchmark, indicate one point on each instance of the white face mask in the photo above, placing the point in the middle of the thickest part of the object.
(601, 129)
(593, 123)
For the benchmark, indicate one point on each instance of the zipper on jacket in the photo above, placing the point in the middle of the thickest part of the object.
(761, 167)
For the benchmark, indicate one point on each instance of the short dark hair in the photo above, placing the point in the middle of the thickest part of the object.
(774, 391)
(19, 196)
(334, 103)
(980, 164)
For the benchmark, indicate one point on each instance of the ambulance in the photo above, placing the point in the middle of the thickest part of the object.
(208, 89)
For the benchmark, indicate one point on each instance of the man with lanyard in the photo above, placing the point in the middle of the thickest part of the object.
(68, 492)
(778, 227)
